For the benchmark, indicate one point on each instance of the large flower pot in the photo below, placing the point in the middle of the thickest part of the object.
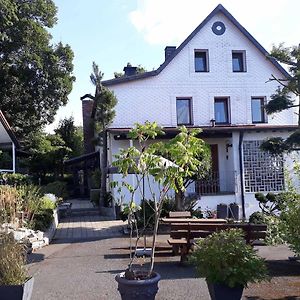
(219, 291)
(137, 289)
(17, 292)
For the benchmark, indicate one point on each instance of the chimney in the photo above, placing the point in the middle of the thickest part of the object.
(169, 50)
(129, 70)
(87, 122)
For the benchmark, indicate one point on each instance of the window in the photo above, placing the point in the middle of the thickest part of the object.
(221, 111)
(238, 61)
(201, 61)
(258, 112)
(184, 111)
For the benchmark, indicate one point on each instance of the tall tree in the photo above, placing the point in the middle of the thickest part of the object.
(281, 99)
(72, 136)
(36, 76)
(105, 102)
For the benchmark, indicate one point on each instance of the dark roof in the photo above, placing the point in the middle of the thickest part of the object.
(219, 9)
(81, 158)
(9, 130)
(215, 129)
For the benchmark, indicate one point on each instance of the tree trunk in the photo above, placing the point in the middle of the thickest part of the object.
(103, 189)
(179, 200)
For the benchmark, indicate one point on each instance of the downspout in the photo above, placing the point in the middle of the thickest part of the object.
(14, 157)
(242, 174)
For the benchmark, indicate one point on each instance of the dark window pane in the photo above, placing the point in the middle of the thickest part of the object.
(237, 62)
(183, 107)
(200, 62)
(221, 111)
(257, 110)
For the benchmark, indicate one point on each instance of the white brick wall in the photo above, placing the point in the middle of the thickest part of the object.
(154, 98)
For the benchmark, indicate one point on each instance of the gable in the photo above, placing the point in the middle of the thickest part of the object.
(221, 13)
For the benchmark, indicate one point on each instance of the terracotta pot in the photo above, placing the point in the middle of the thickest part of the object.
(137, 289)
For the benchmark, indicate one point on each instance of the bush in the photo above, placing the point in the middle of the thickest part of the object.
(275, 231)
(15, 179)
(225, 258)
(12, 261)
(42, 220)
(58, 188)
(291, 224)
(257, 218)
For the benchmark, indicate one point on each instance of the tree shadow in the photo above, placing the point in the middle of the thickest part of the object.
(284, 298)
(281, 268)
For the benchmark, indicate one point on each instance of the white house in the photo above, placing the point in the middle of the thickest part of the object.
(215, 80)
(8, 146)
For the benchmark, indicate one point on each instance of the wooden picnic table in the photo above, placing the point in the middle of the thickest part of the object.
(193, 220)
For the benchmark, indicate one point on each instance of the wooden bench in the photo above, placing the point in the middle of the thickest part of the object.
(183, 236)
(180, 214)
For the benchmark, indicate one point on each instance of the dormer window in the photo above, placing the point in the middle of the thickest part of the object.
(201, 60)
(239, 61)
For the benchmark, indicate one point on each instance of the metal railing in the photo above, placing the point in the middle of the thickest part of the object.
(216, 183)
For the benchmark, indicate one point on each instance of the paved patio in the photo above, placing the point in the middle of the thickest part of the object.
(88, 251)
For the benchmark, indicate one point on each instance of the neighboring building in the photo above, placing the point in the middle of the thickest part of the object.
(215, 80)
(8, 146)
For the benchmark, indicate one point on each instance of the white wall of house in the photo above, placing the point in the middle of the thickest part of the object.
(154, 98)
(5, 139)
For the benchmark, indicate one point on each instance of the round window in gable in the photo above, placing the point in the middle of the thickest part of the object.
(218, 28)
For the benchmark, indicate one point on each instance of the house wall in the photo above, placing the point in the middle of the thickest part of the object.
(178, 79)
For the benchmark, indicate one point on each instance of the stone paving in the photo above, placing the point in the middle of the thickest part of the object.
(84, 222)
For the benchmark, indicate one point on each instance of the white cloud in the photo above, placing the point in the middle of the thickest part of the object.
(166, 22)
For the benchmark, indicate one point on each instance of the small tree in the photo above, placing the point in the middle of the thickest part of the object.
(281, 99)
(150, 169)
(105, 102)
(192, 154)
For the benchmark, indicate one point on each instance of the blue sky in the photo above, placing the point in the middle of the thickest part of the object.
(114, 32)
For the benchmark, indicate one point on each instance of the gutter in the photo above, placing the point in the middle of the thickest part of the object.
(241, 174)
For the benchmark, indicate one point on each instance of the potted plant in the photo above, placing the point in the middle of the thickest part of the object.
(228, 264)
(159, 170)
(14, 281)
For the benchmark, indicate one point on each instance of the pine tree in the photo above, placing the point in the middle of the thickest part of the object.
(281, 99)
(104, 104)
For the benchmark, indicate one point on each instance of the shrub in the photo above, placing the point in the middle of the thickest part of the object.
(9, 205)
(58, 188)
(12, 261)
(15, 179)
(224, 257)
(291, 224)
(275, 231)
(42, 220)
(257, 218)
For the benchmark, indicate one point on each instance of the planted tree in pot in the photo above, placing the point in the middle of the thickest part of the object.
(14, 281)
(228, 264)
(160, 173)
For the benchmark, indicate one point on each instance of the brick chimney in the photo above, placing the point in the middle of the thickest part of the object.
(88, 128)
(169, 50)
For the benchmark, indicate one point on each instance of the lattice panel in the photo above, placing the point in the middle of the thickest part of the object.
(262, 171)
